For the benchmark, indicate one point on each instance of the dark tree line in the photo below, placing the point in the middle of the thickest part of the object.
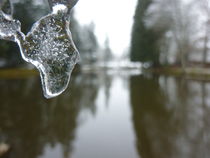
(144, 46)
(165, 32)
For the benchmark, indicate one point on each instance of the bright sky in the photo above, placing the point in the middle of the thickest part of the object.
(112, 18)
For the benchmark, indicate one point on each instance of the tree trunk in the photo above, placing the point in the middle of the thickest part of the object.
(205, 48)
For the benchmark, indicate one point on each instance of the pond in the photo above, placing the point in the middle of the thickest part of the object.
(116, 114)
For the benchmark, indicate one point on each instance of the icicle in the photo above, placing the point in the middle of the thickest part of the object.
(8, 26)
(48, 46)
(68, 3)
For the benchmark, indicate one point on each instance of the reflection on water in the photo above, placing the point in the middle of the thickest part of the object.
(102, 115)
(171, 117)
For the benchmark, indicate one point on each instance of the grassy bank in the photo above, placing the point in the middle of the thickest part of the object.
(21, 73)
(17, 73)
(190, 72)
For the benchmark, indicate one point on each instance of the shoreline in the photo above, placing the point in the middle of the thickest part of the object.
(189, 73)
(17, 73)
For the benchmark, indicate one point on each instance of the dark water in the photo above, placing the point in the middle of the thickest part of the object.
(114, 115)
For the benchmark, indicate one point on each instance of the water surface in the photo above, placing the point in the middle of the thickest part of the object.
(114, 114)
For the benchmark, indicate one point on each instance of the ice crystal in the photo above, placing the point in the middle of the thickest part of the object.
(48, 46)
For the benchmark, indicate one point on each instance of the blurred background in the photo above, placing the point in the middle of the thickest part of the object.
(141, 89)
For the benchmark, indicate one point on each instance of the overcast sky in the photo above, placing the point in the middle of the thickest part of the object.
(112, 18)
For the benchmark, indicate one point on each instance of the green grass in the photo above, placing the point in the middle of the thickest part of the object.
(21, 73)
(193, 73)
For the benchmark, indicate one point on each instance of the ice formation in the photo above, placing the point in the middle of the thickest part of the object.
(48, 46)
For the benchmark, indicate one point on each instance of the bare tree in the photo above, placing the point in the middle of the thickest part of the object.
(175, 20)
(205, 9)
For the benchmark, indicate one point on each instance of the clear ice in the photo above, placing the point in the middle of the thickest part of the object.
(48, 46)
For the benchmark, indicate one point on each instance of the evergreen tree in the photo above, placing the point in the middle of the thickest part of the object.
(144, 42)
(107, 52)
